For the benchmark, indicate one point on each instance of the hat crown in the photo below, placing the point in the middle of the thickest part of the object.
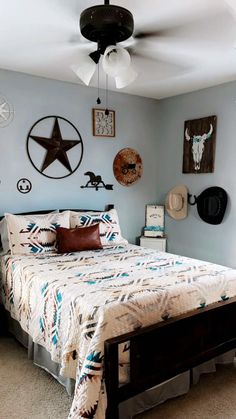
(176, 201)
(211, 204)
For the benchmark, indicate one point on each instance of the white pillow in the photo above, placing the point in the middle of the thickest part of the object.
(32, 234)
(110, 233)
(4, 235)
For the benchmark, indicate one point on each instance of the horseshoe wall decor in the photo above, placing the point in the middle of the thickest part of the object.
(189, 199)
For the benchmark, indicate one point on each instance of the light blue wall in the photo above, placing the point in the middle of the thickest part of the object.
(136, 126)
(192, 236)
(154, 129)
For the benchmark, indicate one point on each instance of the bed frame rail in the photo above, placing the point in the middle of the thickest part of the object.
(163, 350)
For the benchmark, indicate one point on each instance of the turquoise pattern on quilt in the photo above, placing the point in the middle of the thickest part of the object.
(70, 304)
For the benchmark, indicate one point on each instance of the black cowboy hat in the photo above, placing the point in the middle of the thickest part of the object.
(211, 204)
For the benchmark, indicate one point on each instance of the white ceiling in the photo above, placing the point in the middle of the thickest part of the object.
(195, 47)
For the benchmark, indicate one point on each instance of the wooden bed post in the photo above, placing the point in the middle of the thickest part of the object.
(108, 207)
(112, 380)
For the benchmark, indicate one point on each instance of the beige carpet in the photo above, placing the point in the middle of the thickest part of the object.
(27, 391)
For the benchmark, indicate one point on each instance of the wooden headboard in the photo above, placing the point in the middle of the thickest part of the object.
(107, 208)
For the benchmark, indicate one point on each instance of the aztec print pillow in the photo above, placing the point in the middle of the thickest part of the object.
(4, 236)
(110, 233)
(4, 233)
(32, 234)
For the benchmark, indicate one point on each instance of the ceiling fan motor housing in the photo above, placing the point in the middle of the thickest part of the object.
(106, 24)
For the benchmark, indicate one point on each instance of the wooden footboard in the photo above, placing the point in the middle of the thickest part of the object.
(3, 321)
(163, 350)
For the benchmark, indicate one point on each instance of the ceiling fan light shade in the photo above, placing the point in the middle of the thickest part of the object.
(125, 78)
(115, 61)
(85, 70)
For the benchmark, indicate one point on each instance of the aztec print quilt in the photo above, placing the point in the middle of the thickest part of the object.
(72, 303)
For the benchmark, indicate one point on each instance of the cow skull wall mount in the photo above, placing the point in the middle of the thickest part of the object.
(199, 145)
(198, 142)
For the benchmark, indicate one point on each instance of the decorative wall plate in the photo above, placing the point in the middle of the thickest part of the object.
(24, 185)
(127, 166)
(103, 125)
(6, 112)
(51, 133)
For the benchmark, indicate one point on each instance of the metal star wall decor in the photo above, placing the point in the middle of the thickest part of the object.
(56, 147)
(6, 112)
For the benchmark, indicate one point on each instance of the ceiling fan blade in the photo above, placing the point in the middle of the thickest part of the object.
(158, 58)
(147, 34)
(183, 45)
(206, 28)
(159, 14)
(231, 5)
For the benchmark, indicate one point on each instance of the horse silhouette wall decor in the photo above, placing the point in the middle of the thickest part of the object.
(96, 182)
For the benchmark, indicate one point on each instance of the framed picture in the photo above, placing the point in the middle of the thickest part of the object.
(199, 145)
(103, 125)
(154, 221)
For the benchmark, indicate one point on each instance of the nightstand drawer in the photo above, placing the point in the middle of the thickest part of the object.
(157, 243)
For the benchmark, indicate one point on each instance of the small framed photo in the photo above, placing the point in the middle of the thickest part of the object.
(154, 221)
(103, 125)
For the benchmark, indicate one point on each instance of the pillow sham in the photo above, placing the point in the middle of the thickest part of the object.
(33, 234)
(77, 239)
(110, 233)
(4, 232)
(4, 235)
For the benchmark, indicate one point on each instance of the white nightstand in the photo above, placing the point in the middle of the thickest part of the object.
(157, 243)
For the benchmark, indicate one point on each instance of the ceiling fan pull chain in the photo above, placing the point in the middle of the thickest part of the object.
(106, 110)
(98, 98)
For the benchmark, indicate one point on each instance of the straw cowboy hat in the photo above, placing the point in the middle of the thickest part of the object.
(177, 202)
(211, 204)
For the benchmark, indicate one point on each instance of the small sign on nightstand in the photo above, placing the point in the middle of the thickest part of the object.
(154, 221)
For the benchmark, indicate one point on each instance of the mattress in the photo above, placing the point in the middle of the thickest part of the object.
(70, 304)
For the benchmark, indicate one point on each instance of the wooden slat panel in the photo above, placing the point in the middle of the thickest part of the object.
(164, 350)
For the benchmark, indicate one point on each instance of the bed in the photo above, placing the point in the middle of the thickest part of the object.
(111, 317)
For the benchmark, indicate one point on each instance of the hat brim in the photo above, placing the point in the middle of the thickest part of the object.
(211, 205)
(183, 212)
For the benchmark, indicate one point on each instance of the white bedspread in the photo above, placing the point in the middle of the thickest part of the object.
(71, 304)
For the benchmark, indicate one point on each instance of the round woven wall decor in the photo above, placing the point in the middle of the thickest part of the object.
(127, 166)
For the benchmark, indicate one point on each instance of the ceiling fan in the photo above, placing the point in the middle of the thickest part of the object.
(107, 25)
(110, 25)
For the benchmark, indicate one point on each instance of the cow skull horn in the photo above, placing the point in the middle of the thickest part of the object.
(187, 136)
(209, 132)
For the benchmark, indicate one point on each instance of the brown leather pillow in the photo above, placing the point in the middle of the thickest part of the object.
(77, 239)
